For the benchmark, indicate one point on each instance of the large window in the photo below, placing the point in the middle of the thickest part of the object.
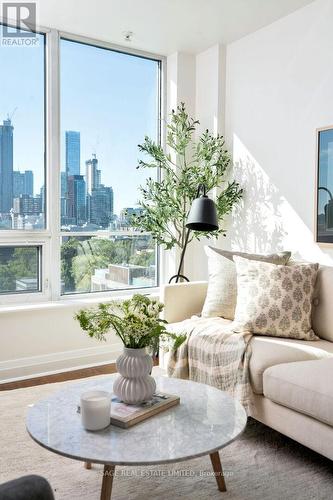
(22, 142)
(78, 226)
(109, 102)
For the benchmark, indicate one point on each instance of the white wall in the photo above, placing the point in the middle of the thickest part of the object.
(278, 91)
(180, 87)
(210, 111)
(46, 338)
(210, 89)
(199, 81)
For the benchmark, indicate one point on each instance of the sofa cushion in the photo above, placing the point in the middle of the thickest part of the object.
(304, 386)
(222, 284)
(322, 313)
(271, 351)
(275, 300)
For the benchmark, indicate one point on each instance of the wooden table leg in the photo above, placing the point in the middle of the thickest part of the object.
(109, 471)
(217, 468)
(87, 465)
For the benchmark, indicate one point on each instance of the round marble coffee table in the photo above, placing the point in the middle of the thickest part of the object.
(205, 421)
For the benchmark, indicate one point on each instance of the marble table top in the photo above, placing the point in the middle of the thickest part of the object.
(205, 421)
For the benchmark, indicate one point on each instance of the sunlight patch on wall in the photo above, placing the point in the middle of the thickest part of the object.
(265, 221)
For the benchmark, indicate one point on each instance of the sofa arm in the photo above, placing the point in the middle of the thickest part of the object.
(182, 300)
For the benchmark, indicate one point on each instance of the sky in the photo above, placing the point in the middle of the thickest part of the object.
(325, 166)
(21, 92)
(109, 97)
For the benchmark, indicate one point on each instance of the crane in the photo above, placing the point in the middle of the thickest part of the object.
(10, 115)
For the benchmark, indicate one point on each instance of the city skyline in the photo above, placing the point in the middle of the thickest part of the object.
(110, 97)
(85, 202)
(113, 107)
(19, 208)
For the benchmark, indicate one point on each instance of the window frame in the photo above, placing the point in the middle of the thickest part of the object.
(49, 238)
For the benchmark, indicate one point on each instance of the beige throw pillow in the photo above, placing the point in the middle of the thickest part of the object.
(275, 300)
(222, 284)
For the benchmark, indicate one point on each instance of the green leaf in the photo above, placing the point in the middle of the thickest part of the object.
(187, 163)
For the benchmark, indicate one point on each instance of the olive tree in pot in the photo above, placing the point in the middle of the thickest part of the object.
(187, 164)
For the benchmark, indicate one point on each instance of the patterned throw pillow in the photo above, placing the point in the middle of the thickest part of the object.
(222, 284)
(275, 300)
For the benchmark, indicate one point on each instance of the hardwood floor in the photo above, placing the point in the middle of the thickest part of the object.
(63, 376)
(60, 377)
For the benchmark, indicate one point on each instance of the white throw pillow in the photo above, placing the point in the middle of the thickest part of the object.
(275, 300)
(222, 283)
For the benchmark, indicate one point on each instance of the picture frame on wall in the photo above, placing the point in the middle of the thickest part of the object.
(324, 186)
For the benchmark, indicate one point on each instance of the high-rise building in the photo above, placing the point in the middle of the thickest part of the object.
(76, 209)
(27, 205)
(98, 178)
(72, 152)
(23, 183)
(18, 183)
(6, 166)
(93, 175)
(28, 182)
(93, 180)
(101, 206)
(38, 208)
(63, 185)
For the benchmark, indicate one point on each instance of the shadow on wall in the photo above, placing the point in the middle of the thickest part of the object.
(257, 220)
(265, 221)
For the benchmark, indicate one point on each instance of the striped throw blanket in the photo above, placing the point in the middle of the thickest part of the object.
(214, 354)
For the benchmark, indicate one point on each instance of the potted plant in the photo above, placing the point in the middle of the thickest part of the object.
(187, 163)
(138, 324)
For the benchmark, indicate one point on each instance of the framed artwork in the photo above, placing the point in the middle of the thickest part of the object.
(324, 186)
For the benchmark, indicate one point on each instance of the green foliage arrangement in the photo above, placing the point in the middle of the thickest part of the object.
(166, 202)
(136, 321)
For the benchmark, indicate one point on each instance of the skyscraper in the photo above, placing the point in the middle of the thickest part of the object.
(101, 211)
(18, 183)
(23, 183)
(24, 205)
(93, 175)
(93, 180)
(72, 152)
(28, 182)
(6, 166)
(76, 209)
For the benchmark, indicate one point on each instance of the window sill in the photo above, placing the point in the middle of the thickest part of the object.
(75, 301)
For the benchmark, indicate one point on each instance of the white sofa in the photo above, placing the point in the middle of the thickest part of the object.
(292, 380)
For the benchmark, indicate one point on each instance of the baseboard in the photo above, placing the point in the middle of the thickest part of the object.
(36, 366)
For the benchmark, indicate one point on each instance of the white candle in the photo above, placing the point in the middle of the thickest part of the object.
(95, 409)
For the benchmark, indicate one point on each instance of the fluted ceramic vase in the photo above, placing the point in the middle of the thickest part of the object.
(134, 384)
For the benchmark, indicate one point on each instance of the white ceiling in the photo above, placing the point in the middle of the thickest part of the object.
(164, 26)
